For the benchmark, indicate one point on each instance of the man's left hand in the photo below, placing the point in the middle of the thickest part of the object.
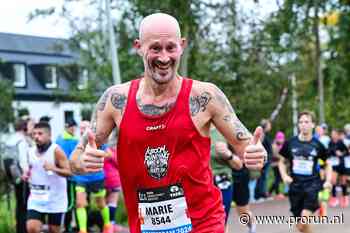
(49, 166)
(255, 154)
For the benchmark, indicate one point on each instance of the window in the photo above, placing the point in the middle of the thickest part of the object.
(68, 115)
(51, 77)
(19, 75)
(83, 79)
(15, 72)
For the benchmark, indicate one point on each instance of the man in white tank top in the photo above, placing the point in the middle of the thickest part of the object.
(48, 168)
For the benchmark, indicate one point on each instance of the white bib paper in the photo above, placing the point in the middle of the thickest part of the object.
(164, 210)
(302, 167)
(347, 162)
(334, 161)
(40, 194)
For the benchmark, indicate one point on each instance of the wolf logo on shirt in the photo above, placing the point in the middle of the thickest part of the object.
(156, 161)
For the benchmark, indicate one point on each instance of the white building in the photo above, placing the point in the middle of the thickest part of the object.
(44, 72)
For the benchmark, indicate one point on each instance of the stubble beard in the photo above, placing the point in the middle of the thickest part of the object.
(160, 79)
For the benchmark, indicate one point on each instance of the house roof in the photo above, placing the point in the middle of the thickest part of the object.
(34, 51)
(17, 43)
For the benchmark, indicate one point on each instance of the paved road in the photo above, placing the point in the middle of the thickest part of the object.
(281, 208)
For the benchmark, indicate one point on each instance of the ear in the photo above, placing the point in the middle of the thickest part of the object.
(183, 43)
(137, 46)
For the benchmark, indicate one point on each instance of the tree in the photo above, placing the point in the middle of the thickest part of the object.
(6, 113)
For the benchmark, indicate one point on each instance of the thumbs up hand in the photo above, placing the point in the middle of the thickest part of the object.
(92, 159)
(255, 154)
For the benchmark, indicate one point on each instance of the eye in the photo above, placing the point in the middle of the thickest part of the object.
(156, 48)
(171, 48)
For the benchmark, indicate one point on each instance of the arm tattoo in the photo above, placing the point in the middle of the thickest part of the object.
(118, 101)
(220, 96)
(240, 131)
(99, 137)
(154, 110)
(199, 103)
(101, 104)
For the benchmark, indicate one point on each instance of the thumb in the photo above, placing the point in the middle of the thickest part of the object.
(91, 139)
(258, 134)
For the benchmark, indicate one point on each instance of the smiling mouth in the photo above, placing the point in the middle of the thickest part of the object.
(162, 67)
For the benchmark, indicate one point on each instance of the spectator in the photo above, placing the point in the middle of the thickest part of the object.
(20, 143)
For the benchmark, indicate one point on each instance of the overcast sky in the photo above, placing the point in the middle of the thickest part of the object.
(14, 16)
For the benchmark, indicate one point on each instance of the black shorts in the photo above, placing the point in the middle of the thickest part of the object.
(304, 195)
(337, 169)
(94, 187)
(53, 218)
(240, 193)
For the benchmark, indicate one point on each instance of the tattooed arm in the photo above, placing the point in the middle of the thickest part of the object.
(246, 146)
(227, 122)
(209, 102)
(108, 111)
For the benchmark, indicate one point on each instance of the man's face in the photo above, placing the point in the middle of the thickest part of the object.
(161, 56)
(335, 135)
(305, 124)
(41, 136)
(71, 130)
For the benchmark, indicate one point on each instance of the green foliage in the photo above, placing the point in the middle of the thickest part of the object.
(251, 67)
(6, 113)
(7, 216)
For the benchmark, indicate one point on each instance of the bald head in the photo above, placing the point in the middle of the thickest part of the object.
(159, 24)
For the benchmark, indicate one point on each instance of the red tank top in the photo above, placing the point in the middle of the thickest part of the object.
(160, 151)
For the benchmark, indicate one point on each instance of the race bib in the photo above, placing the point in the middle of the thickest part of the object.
(347, 162)
(39, 194)
(164, 210)
(334, 161)
(302, 167)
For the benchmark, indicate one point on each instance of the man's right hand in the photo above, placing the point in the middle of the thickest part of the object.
(222, 151)
(287, 179)
(91, 159)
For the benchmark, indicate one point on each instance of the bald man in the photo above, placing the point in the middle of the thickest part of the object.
(163, 146)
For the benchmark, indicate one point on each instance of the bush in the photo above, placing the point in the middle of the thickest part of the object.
(7, 216)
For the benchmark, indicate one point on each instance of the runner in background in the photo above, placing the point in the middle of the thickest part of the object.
(48, 167)
(222, 160)
(112, 181)
(276, 147)
(68, 141)
(303, 152)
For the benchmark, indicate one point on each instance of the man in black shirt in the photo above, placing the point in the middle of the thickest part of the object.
(303, 152)
(337, 150)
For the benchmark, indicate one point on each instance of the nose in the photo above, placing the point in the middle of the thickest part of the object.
(164, 58)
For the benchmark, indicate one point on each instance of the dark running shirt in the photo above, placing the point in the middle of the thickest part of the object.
(303, 157)
(334, 146)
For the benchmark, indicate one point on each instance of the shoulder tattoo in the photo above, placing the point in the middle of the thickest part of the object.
(118, 101)
(199, 103)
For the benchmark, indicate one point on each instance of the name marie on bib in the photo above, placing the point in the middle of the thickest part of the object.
(163, 210)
